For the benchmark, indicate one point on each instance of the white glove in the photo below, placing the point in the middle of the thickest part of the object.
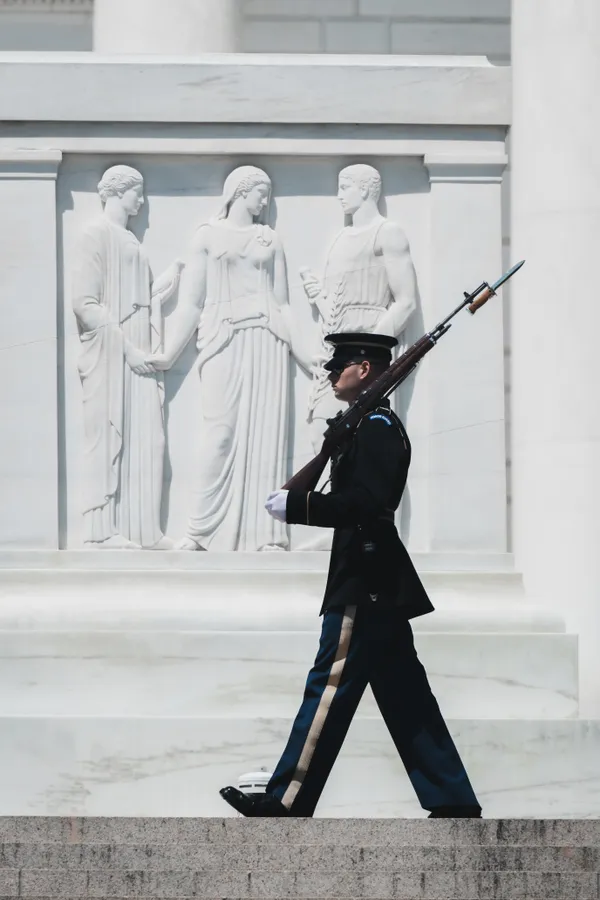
(276, 505)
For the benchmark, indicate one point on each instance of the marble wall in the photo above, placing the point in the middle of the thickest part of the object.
(312, 26)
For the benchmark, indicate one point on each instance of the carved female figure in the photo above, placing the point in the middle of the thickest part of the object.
(234, 294)
(118, 312)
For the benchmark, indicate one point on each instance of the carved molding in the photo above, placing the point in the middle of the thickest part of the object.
(463, 168)
(35, 164)
(46, 6)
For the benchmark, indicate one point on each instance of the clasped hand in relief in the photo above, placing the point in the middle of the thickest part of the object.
(276, 505)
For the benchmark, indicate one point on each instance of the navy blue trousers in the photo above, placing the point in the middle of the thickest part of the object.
(359, 646)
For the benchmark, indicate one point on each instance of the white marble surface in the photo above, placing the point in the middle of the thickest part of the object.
(556, 416)
(28, 349)
(231, 597)
(254, 87)
(262, 674)
(470, 406)
(174, 767)
(152, 26)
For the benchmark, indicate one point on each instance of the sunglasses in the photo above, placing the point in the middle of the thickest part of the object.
(340, 368)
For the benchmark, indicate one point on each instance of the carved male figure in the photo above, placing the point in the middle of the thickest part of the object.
(118, 312)
(369, 282)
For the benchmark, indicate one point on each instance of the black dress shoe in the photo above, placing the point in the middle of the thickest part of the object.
(254, 805)
(455, 812)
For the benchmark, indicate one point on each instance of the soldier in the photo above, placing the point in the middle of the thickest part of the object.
(372, 591)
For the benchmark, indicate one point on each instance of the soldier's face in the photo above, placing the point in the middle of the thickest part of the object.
(350, 381)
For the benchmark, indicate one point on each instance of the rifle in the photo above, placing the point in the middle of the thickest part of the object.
(343, 426)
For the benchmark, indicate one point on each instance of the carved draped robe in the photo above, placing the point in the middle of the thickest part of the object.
(122, 411)
(357, 293)
(243, 362)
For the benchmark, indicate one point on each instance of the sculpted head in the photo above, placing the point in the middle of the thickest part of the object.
(356, 185)
(248, 185)
(124, 185)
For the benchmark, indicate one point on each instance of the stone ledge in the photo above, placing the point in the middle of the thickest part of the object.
(254, 88)
(129, 590)
(296, 561)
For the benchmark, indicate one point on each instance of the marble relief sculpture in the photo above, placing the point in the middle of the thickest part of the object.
(368, 285)
(234, 297)
(119, 318)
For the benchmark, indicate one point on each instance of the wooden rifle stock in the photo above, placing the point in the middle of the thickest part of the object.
(306, 479)
(343, 426)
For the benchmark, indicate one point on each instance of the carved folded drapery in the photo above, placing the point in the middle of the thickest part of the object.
(243, 363)
(122, 411)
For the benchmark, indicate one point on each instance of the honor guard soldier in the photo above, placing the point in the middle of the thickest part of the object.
(372, 592)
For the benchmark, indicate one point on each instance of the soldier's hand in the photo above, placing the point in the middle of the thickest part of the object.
(276, 505)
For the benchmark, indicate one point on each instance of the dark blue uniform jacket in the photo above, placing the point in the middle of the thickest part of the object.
(369, 563)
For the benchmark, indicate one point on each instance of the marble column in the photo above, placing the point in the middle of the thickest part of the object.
(29, 513)
(178, 27)
(555, 316)
(466, 478)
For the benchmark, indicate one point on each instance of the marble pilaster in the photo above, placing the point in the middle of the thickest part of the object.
(466, 408)
(555, 316)
(29, 480)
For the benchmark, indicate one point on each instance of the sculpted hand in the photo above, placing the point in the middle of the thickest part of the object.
(312, 285)
(276, 505)
(159, 362)
(137, 362)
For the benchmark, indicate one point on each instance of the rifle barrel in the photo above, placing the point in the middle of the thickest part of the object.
(345, 423)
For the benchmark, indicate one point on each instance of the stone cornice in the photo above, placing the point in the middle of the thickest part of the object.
(29, 164)
(465, 168)
(247, 88)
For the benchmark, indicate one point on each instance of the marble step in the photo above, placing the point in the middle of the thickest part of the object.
(174, 766)
(240, 561)
(299, 859)
(262, 674)
(223, 595)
